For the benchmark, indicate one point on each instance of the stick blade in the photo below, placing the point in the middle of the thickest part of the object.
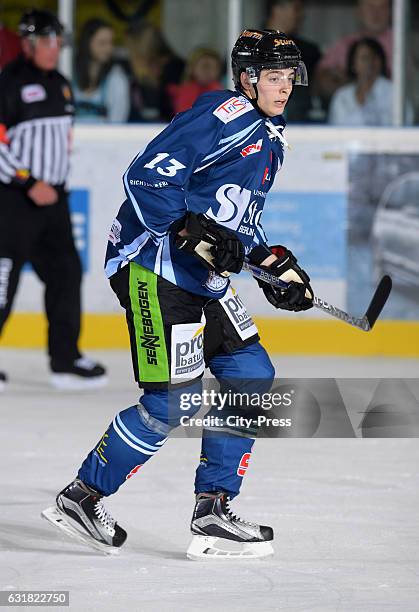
(379, 300)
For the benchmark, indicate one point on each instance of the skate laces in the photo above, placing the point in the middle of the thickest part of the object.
(233, 516)
(105, 517)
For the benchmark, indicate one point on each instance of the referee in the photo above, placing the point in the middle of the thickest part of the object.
(36, 115)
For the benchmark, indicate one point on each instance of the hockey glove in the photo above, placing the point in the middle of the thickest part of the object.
(299, 294)
(215, 246)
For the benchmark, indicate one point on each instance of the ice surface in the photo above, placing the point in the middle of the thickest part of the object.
(344, 511)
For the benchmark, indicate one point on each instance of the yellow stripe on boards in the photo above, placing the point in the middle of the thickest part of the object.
(285, 336)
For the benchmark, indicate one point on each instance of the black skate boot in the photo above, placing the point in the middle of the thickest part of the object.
(81, 514)
(213, 520)
(83, 373)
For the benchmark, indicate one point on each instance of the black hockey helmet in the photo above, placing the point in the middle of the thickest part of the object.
(256, 50)
(39, 23)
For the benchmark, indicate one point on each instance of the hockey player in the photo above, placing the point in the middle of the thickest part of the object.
(36, 116)
(194, 201)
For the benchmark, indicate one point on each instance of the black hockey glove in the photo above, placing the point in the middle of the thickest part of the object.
(215, 246)
(299, 294)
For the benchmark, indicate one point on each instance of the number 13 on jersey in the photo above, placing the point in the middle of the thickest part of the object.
(169, 168)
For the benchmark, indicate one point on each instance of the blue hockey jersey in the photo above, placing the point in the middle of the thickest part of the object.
(218, 158)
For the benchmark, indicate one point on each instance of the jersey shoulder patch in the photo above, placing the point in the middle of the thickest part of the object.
(34, 92)
(231, 109)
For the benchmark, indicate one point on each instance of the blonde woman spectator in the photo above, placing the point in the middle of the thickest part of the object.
(101, 88)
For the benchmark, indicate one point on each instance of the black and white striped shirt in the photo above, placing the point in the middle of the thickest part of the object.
(36, 115)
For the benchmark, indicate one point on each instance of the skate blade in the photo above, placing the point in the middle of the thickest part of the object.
(54, 516)
(204, 547)
(71, 382)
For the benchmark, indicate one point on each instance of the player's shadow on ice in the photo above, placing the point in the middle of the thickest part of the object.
(15, 537)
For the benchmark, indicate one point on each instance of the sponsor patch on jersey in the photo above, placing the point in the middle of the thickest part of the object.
(266, 176)
(243, 465)
(238, 315)
(115, 232)
(187, 350)
(215, 282)
(33, 93)
(232, 108)
(252, 148)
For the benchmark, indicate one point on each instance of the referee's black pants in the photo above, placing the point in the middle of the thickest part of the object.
(43, 236)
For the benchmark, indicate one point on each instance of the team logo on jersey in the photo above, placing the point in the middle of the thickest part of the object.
(133, 471)
(33, 93)
(243, 465)
(215, 282)
(252, 148)
(232, 108)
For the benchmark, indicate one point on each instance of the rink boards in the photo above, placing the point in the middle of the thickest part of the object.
(331, 178)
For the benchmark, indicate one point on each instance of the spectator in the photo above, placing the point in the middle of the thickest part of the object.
(9, 46)
(375, 17)
(367, 99)
(153, 66)
(288, 16)
(202, 74)
(101, 88)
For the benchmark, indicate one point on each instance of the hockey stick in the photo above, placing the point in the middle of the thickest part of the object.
(365, 323)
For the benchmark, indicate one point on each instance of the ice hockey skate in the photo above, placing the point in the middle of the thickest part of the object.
(81, 514)
(219, 534)
(83, 374)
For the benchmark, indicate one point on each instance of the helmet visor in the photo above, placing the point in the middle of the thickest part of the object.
(51, 39)
(297, 77)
